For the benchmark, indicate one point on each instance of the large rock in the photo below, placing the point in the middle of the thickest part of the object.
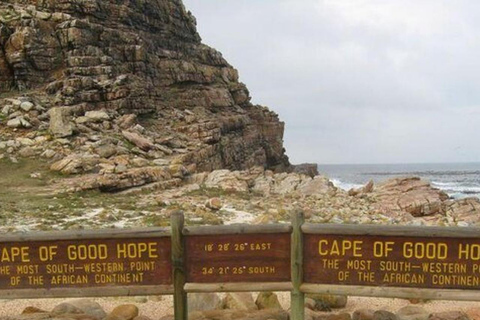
(267, 300)
(75, 163)
(123, 312)
(363, 314)
(203, 301)
(411, 195)
(384, 315)
(226, 180)
(267, 314)
(138, 140)
(449, 315)
(328, 301)
(412, 313)
(89, 307)
(60, 125)
(239, 301)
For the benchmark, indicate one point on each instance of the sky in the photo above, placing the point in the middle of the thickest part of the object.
(358, 81)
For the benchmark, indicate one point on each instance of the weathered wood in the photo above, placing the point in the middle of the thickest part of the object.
(87, 292)
(81, 264)
(405, 293)
(237, 229)
(392, 261)
(238, 287)
(297, 296)
(404, 231)
(238, 258)
(180, 303)
(86, 234)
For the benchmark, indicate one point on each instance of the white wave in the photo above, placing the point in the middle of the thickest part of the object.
(456, 187)
(345, 185)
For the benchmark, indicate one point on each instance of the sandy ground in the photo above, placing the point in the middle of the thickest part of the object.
(156, 307)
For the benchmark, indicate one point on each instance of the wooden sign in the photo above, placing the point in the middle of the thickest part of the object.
(392, 261)
(107, 263)
(238, 258)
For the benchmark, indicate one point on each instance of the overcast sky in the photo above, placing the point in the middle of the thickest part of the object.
(358, 81)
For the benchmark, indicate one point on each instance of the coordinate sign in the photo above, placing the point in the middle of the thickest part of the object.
(238, 258)
(420, 262)
(85, 263)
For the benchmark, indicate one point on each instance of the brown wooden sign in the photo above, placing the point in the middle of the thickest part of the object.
(392, 261)
(238, 258)
(85, 263)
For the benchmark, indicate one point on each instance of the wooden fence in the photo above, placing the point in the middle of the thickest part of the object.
(362, 260)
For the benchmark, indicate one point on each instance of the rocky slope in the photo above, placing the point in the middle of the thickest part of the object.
(115, 85)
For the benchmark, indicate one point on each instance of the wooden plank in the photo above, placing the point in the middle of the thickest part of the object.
(84, 264)
(238, 258)
(404, 231)
(86, 234)
(237, 229)
(87, 292)
(238, 287)
(390, 292)
(297, 296)
(180, 303)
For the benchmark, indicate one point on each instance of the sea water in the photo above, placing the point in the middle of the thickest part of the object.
(459, 180)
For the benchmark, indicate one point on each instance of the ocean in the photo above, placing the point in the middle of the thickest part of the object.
(459, 180)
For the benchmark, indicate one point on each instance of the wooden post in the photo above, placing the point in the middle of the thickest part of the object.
(297, 308)
(178, 264)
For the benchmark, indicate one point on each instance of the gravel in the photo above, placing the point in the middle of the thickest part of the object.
(155, 307)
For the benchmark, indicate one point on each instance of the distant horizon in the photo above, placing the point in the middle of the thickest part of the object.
(396, 163)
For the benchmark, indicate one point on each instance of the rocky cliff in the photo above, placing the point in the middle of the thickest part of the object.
(117, 84)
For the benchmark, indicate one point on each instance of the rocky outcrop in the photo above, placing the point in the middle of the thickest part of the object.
(416, 197)
(411, 195)
(134, 71)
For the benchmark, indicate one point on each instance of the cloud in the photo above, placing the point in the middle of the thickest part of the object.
(358, 81)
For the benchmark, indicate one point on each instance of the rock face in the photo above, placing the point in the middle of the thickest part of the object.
(103, 67)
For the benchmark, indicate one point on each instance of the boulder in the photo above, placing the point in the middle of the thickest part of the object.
(308, 169)
(339, 316)
(226, 180)
(267, 314)
(203, 301)
(411, 195)
(317, 186)
(126, 121)
(123, 312)
(18, 122)
(64, 308)
(30, 310)
(97, 116)
(26, 106)
(363, 314)
(384, 315)
(75, 163)
(328, 301)
(214, 204)
(267, 300)
(239, 301)
(449, 315)
(412, 313)
(137, 139)
(60, 125)
(89, 307)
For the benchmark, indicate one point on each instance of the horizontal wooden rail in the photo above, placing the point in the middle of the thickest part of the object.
(237, 229)
(238, 287)
(407, 231)
(86, 234)
(393, 292)
(86, 292)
